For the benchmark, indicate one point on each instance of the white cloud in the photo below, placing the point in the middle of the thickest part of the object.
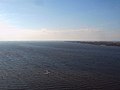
(9, 32)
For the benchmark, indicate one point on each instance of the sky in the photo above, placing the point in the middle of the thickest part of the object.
(96, 20)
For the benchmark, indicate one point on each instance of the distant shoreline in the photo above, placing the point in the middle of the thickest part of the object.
(101, 43)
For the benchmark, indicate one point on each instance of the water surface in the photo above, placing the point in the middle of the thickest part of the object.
(58, 66)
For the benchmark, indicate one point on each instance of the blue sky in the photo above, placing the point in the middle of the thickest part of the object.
(97, 16)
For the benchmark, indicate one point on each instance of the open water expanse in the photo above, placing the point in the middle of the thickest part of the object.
(58, 66)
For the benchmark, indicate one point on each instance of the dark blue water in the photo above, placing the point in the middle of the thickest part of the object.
(58, 66)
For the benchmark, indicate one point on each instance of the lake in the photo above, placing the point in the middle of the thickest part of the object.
(58, 65)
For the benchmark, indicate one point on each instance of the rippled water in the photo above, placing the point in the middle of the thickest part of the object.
(58, 66)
